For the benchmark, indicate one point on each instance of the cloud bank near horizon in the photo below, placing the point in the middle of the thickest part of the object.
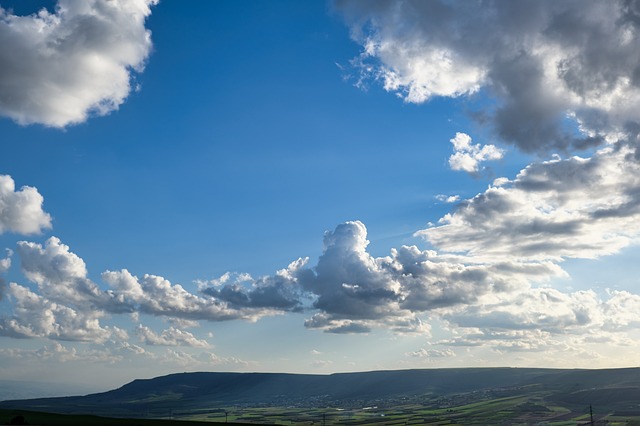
(347, 291)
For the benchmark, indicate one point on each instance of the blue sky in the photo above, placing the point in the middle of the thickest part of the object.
(316, 187)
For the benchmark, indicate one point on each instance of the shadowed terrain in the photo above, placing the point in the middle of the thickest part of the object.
(468, 396)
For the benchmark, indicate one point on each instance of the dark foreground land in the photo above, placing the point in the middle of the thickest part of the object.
(479, 396)
(52, 419)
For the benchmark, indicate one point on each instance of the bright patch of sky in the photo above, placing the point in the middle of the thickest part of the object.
(316, 187)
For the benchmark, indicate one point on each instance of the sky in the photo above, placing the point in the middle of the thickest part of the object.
(316, 187)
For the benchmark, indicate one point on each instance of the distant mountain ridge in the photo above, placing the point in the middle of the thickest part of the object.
(192, 391)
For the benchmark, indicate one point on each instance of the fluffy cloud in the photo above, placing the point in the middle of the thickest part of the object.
(60, 67)
(5, 263)
(544, 318)
(35, 316)
(572, 208)
(61, 277)
(551, 77)
(347, 280)
(241, 291)
(353, 291)
(155, 295)
(68, 300)
(543, 61)
(356, 292)
(539, 309)
(21, 211)
(467, 157)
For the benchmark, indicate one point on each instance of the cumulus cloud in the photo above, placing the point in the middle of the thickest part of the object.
(35, 316)
(5, 263)
(542, 319)
(571, 208)
(356, 292)
(61, 277)
(21, 211)
(68, 305)
(347, 280)
(353, 291)
(543, 62)
(155, 295)
(551, 78)
(241, 291)
(60, 67)
(539, 309)
(467, 156)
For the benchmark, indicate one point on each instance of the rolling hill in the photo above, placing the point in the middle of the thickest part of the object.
(613, 390)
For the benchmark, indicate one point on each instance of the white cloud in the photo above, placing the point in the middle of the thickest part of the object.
(542, 62)
(432, 353)
(353, 291)
(59, 353)
(170, 337)
(241, 291)
(573, 208)
(467, 157)
(61, 277)
(545, 319)
(356, 292)
(5, 263)
(203, 360)
(21, 211)
(155, 295)
(60, 67)
(447, 198)
(35, 316)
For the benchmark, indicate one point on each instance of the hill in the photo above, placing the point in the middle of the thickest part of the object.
(612, 391)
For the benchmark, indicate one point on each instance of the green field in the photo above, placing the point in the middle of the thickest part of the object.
(511, 410)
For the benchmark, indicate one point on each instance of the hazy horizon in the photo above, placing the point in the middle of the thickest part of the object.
(317, 187)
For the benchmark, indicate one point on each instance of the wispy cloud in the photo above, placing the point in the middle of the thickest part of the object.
(432, 353)
(170, 337)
